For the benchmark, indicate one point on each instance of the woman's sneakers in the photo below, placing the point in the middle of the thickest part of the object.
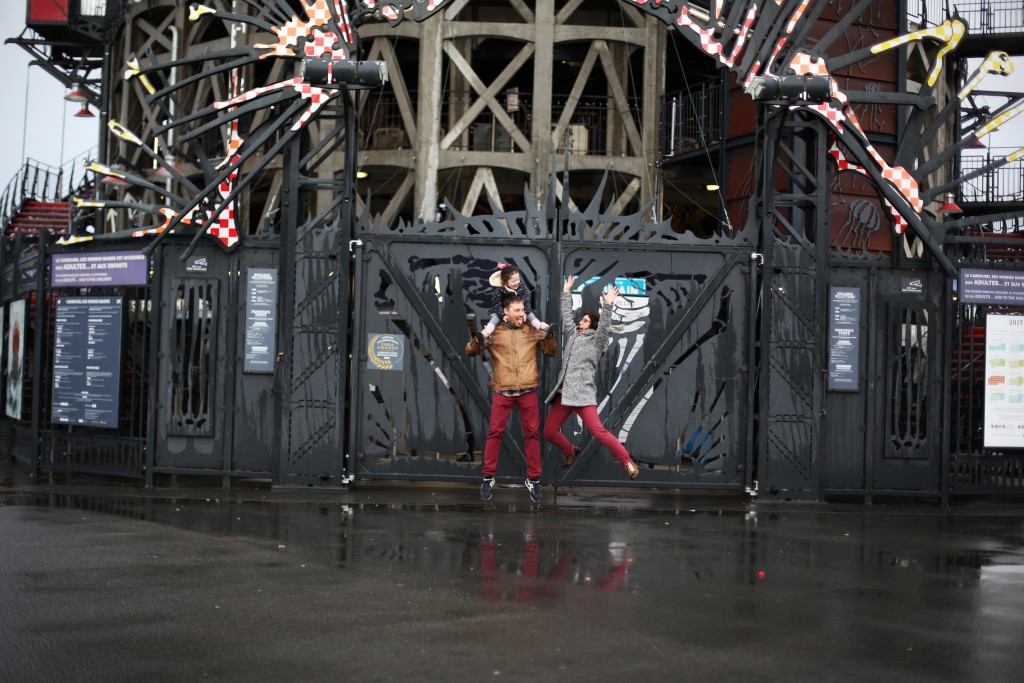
(632, 470)
(485, 489)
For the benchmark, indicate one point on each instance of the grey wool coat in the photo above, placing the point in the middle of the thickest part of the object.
(580, 353)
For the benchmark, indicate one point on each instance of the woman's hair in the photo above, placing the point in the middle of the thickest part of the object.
(506, 274)
(595, 318)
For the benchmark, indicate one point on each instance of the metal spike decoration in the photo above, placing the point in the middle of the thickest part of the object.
(324, 32)
(774, 47)
(754, 40)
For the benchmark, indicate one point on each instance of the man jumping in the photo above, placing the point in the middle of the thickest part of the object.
(513, 346)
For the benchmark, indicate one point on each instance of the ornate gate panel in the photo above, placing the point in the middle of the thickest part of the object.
(910, 364)
(674, 386)
(420, 406)
(190, 425)
(887, 435)
(212, 417)
(795, 229)
(254, 401)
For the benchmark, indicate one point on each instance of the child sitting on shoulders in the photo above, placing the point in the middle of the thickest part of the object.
(507, 281)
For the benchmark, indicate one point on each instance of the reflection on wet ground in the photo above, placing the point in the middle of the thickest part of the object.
(909, 592)
(521, 553)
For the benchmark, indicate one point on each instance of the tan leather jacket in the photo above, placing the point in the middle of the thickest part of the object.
(514, 355)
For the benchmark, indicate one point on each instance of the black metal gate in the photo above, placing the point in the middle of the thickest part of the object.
(674, 386)
(211, 416)
(883, 434)
(887, 437)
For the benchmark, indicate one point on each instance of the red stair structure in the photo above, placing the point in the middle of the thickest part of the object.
(36, 217)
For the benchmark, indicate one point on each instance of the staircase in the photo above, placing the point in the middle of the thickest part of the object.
(36, 217)
(36, 202)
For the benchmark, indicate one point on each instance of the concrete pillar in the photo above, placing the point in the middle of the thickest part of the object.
(428, 123)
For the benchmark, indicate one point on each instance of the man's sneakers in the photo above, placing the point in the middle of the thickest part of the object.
(486, 488)
(533, 486)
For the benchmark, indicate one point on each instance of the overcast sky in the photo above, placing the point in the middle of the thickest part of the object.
(52, 135)
(50, 119)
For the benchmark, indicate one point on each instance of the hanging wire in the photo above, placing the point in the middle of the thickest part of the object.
(445, 81)
(647, 163)
(365, 146)
(643, 151)
(24, 119)
(367, 135)
(703, 138)
(691, 199)
(63, 132)
(455, 182)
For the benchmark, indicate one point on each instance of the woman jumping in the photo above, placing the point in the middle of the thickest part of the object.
(575, 391)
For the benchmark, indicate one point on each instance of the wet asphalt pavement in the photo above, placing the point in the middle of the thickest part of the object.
(103, 582)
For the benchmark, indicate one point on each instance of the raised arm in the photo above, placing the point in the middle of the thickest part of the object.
(568, 324)
(604, 327)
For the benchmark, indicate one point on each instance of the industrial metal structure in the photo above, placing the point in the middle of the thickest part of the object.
(786, 196)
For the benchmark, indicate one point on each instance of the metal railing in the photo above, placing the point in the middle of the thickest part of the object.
(1003, 184)
(380, 122)
(34, 181)
(486, 133)
(692, 119)
(984, 17)
(43, 183)
(593, 126)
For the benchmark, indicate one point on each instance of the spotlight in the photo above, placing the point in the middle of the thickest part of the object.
(341, 72)
(75, 94)
(950, 206)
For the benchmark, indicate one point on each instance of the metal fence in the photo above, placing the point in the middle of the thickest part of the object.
(1002, 184)
(693, 118)
(34, 434)
(119, 450)
(975, 466)
(592, 129)
(987, 17)
(674, 386)
(42, 183)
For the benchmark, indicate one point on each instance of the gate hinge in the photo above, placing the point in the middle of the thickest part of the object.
(756, 256)
(352, 244)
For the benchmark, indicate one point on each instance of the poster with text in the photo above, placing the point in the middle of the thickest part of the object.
(1004, 381)
(86, 361)
(15, 357)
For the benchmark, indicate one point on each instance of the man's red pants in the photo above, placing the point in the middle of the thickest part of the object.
(529, 417)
